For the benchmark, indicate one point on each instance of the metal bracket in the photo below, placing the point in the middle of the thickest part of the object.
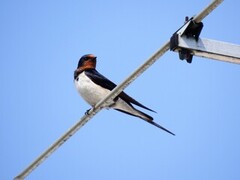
(187, 43)
(190, 29)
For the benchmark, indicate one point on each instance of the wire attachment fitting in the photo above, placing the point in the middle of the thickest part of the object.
(190, 29)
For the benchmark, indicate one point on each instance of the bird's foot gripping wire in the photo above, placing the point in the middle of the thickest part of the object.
(87, 111)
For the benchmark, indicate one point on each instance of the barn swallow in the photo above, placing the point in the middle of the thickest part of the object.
(93, 86)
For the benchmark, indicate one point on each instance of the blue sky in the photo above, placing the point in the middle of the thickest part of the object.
(41, 43)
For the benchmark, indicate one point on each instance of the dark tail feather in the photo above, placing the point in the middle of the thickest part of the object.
(159, 126)
(148, 119)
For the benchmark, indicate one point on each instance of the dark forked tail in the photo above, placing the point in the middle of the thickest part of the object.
(146, 118)
(161, 127)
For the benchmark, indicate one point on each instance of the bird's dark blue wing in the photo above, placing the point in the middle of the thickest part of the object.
(99, 79)
(129, 99)
(104, 82)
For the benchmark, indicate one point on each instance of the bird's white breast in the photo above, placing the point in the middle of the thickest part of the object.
(93, 93)
(90, 92)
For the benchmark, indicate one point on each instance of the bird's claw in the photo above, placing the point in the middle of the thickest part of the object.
(87, 112)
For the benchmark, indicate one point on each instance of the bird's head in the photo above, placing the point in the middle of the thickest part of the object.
(87, 61)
